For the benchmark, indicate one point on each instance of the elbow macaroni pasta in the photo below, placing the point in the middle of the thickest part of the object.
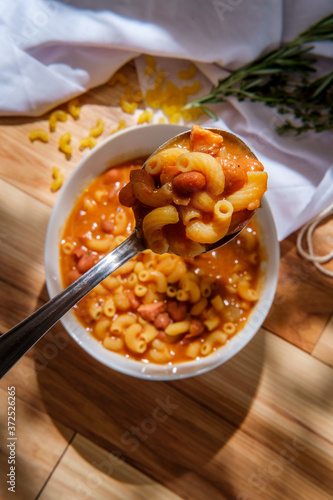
(87, 142)
(207, 165)
(98, 129)
(74, 108)
(39, 135)
(56, 116)
(58, 179)
(153, 225)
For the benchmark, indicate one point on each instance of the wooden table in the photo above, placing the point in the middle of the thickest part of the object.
(259, 427)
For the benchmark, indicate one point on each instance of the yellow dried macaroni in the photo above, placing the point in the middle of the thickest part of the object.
(87, 142)
(64, 144)
(56, 116)
(98, 129)
(189, 73)
(74, 108)
(56, 184)
(146, 117)
(151, 66)
(165, 95)
(39, 135)
(127, 106)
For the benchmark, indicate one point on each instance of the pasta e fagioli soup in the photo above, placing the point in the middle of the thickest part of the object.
(156, 308)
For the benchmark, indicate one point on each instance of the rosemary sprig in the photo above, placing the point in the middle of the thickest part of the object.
(281, 79)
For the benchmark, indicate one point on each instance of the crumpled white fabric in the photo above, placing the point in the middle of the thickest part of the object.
(52, 50)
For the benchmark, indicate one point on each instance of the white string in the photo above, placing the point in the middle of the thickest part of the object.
(308, 230)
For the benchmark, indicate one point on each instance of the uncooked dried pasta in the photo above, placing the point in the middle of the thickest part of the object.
(127, 106)
(64, 144)
(74, 108)
(39, 135)
(188, 73)
(56, 116)
(58, 179)
(169, 98)
(97, 130)
(87, 142)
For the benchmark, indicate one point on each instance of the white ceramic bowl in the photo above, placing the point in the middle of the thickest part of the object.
(127, 144)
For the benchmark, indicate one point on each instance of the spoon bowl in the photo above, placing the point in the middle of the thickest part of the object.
(183, 138)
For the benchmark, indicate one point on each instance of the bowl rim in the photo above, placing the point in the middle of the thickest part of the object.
(151, 371)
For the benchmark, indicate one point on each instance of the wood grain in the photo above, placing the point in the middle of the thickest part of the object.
(88, 471)
(39, 445)
(258, 427)
(323, 350)
(303, 301)
(264, 419)
(23, 230)
(28, 166)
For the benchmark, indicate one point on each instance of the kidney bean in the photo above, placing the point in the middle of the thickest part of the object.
(196, 328)
(188, 182)
(162, 320)
(177, 310)
(85, 263)
(113, 175)
(161, 335)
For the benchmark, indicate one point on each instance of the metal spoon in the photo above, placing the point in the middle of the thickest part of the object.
(17, 341)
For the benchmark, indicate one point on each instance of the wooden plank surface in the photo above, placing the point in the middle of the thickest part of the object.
(258, 427)
(39, 446)
(87, 470)
(324, 347)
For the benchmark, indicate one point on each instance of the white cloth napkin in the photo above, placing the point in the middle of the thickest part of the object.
(52, 50)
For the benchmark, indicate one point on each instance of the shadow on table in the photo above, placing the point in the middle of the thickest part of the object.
(171, 431)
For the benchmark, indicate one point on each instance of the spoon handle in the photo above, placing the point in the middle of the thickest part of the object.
(17, 341)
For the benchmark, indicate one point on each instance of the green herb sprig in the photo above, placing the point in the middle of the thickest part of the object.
(280, 79)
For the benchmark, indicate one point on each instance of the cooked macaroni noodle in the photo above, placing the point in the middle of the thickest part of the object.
(191, 195)
(156, 308)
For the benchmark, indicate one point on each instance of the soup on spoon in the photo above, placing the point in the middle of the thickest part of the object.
(194, 191)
